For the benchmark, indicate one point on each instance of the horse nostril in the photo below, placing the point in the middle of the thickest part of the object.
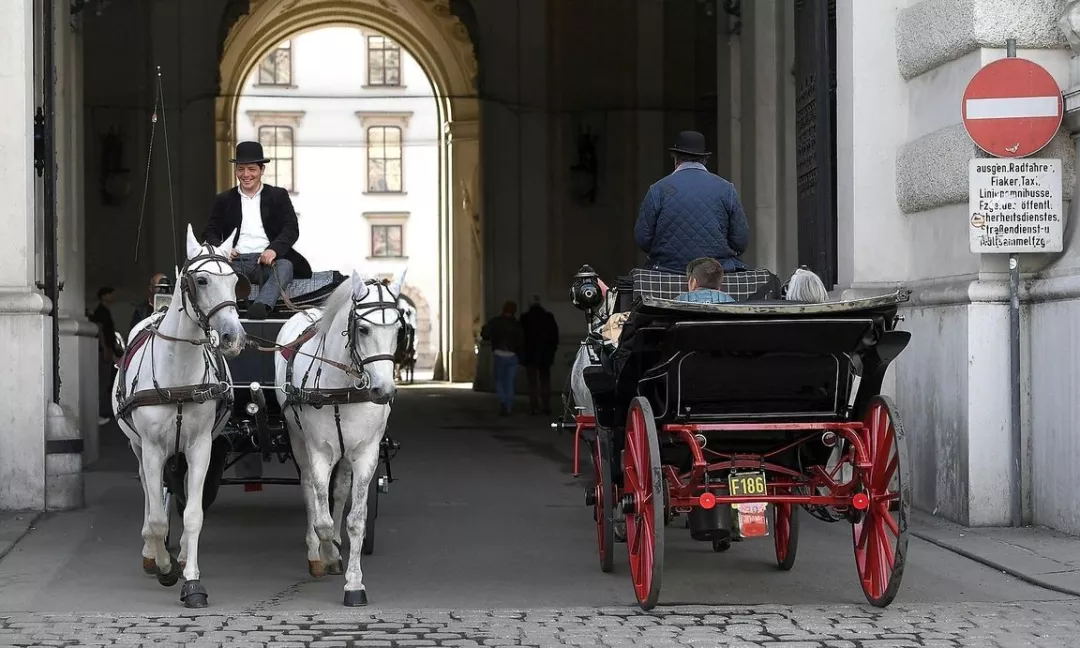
(228, 338)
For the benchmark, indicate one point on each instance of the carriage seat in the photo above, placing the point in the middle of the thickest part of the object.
(742, 286)
(306, 292)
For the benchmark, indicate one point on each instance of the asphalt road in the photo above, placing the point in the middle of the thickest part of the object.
(485, 513)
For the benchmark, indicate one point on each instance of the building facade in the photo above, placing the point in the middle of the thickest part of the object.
(350, 121)
(549, 133)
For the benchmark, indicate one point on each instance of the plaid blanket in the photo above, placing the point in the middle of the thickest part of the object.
(299, 288)
(740, 285)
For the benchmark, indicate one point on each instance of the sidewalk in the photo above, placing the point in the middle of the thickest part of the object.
(14, 525)
(1037, 555)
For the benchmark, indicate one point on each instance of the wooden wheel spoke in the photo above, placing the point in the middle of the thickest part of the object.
(880, 481)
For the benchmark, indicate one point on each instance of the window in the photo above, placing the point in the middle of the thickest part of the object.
(384, 159)
(384, 62)
(386, 241)
(277, 142)
(276, 68)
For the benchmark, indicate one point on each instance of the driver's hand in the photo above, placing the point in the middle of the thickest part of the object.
(267, 257)
(233, 254)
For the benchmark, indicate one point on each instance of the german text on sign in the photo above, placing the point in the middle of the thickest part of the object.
(1014, 205)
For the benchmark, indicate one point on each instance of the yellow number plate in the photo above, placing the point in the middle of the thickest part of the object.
(747, 484)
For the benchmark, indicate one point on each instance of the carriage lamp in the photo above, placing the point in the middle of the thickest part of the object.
(585, 292)
(162, 294)
(861, 502)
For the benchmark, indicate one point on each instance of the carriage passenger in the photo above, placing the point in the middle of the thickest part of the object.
(265, 226)
(705, 278)
(692, 213)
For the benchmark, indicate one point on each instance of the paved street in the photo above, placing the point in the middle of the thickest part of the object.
(485, 515)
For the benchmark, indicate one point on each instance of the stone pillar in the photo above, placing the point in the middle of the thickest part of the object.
(761, 200)
(24, 325)
(465, 310)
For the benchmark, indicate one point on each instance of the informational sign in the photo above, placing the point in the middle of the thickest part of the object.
(1012, 108)
(1014, 206)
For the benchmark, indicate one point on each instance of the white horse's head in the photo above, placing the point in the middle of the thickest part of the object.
(206, 292)
(372, 329)
(805, 286)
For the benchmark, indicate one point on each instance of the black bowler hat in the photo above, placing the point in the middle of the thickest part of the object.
(249, 153)
(691, 143)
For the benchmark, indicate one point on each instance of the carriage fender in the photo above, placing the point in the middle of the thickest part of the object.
(892, 344)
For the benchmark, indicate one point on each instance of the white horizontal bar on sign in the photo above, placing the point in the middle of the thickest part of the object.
(1012, 107)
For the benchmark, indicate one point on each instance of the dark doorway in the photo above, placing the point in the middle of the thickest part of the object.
(815, 128)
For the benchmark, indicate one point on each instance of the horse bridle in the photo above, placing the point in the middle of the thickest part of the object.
(189, 291)
(360, 312)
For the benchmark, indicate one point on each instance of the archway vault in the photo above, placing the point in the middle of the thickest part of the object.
(441, 45)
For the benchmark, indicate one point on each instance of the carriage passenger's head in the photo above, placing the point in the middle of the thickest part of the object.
(704, 273)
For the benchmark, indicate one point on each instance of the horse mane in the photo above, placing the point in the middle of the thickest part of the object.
(806, 286)
(335, 303)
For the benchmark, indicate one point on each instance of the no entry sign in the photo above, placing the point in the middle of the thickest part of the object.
(1012, 108)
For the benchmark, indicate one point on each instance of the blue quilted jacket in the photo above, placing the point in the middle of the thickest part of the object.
(689, 214)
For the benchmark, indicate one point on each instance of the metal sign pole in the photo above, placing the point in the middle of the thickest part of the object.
(1014, 366)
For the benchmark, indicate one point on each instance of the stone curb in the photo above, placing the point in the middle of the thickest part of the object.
(14, 527)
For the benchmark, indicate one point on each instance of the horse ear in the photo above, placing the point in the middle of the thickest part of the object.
(399, 281)
(359, 285)
(227, 243)
(193, 246)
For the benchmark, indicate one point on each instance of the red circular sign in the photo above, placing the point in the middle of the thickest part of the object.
(1012, 108)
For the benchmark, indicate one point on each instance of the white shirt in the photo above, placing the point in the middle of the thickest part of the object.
(253, 238)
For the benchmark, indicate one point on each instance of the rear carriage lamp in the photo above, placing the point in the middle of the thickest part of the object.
(707, 500)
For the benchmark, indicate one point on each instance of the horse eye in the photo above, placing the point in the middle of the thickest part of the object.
(201, 281)
(363, 330)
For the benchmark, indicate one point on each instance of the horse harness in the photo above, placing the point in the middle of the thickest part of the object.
(213, 359)
(360, 392)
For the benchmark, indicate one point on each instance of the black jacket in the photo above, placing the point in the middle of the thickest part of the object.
(278, 218)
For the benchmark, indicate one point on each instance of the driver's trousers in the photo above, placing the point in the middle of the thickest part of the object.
(264, 276)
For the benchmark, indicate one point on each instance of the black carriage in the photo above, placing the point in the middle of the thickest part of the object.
(738, 415)
(255, 433)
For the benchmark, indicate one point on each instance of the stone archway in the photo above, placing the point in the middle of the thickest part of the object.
(442, 46)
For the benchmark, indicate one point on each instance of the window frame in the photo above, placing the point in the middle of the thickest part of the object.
(388, 45)
(286, 46)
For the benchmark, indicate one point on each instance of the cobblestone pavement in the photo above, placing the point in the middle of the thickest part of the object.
(1004, 625)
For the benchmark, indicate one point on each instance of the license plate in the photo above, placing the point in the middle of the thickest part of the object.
(747, 484)
(751, 519)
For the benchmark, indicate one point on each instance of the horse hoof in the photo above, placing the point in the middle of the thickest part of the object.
(149, 566)
(193, 594)
(355, 598)
(316, 568)
(335, 568)
(171, 577)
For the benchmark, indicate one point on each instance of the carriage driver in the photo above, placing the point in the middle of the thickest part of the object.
(692, 213)
(266, 229)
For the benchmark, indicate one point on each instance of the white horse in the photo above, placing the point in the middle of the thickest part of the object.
(172, 394)
(342, 357)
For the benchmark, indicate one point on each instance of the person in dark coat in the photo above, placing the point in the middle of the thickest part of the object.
(541, 341)
(265, 226)
(506, 337)
(692, 213)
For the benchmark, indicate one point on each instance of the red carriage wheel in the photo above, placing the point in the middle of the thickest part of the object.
(643, 483)
(785, 534)
(603, 499)
(881, 535)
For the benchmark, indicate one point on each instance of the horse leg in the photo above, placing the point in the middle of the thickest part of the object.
(321, 467)
(316, 566)
(332, 550)
(363, 469)
(148, 554)
(193, 593)
(157, 522)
